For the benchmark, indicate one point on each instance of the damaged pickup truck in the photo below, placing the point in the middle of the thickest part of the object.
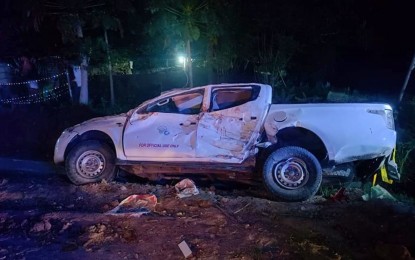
(233, 132)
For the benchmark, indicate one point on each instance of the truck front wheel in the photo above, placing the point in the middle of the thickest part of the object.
(90, 161)
(292, 174)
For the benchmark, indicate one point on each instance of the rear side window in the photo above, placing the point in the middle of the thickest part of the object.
(223, 98)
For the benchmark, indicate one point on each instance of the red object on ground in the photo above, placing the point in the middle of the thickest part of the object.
(340, 195)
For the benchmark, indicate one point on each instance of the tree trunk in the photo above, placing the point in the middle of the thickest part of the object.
(189, 63)
(210, 57)
(110, 69)
(83, 97)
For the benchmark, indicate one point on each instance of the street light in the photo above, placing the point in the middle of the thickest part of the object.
(182, 60)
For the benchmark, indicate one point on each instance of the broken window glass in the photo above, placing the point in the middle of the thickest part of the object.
(227, 98)
(189, 103)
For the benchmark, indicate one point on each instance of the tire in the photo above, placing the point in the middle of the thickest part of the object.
(292, 174)
(90, 161)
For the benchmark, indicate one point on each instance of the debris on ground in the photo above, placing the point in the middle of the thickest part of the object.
(184, 247)
(186, 188)
(340, 195)
(136, 205)
(377, 192)
(46, 217)
(41, 226)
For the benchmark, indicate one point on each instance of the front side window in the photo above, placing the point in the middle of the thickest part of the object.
(227, 98)
(189, 103)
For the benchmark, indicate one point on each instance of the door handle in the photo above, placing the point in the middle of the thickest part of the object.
(188, 123)
(252, 118)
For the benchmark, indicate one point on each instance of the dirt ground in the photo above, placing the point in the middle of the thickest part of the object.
(44, 216)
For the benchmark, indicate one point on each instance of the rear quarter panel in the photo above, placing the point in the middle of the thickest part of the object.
(348, 131)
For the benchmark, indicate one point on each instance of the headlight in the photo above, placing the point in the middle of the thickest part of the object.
(387, 115)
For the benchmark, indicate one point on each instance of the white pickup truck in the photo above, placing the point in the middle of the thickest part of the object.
(232, 131)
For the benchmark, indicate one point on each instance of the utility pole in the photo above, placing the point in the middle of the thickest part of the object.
(189, 63)
(408, 76)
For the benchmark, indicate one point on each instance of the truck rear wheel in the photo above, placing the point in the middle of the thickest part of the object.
(90, 161)
(292, 174)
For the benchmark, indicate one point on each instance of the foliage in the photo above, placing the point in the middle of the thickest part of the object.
(273, 60)
(404, 198)
(406, 141)
(173, 23)
(317, 92)
(104, 107)
(406, 147)
(226, 41)
(210, 26)
(120, 59)
(326, 191)
(62, 25)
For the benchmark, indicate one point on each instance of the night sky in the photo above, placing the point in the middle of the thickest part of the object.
(381, 64)
(385, 64)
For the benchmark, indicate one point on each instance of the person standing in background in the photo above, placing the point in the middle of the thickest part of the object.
(29, 73)
(75, 81)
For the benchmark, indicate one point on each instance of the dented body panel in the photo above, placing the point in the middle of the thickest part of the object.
(232, 133)
(161, 135)
(224, 125)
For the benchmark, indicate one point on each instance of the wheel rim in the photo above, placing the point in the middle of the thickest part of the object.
(291, 173)
(90, 164)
